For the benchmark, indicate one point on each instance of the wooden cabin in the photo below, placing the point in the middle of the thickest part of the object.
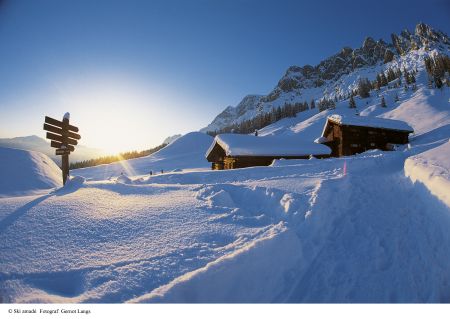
(229, 151)
(348, 135)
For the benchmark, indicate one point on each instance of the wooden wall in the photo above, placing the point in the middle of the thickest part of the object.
(349, 140)
(231, 162)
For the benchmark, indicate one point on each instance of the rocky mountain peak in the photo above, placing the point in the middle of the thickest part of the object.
(423, 36)
(298, 79)
(368, 44)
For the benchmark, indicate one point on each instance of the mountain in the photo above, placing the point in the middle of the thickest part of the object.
(38, 144)
(337, 75)
(171, 139)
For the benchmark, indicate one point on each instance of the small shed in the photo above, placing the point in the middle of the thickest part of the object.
(230, 151)
(352, 134)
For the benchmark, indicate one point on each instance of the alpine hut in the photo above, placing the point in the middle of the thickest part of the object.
(230, 151)
(348, 135)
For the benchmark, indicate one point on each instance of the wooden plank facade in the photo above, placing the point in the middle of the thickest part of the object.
(347, 140)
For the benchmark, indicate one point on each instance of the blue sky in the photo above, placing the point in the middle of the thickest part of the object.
(138, 71)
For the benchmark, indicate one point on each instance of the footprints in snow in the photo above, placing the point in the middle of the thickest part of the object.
(255, 206)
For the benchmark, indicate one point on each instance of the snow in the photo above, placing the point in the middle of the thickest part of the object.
(432, 168)
(321, 140)
(23, 172)
(367, 228)
(66, 116)
(186, 152)
(250, 145)
(369, 121)
(235, 272)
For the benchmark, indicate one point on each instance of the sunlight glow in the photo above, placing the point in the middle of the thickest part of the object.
(117, 117)
(128, 169)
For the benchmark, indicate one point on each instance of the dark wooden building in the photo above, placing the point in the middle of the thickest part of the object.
(348, 135)
(230, 151)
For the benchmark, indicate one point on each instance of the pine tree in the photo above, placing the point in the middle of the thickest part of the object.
(396, 99)
(438, 82)
(407, 76)
(364, 88)
(384, 80)
(383, 102)
(379, 81)
(352, 103)
(312, 104)
(390, 75)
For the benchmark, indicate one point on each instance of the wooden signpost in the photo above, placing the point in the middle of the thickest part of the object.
(63, 136)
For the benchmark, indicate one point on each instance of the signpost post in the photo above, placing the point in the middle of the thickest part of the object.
(63, 136)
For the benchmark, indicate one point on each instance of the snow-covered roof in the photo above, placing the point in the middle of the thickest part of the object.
(369, 121)
(250, 145)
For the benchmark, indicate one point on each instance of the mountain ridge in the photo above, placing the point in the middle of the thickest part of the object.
(326, 79)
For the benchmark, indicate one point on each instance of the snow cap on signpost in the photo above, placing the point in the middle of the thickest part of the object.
(66, 116)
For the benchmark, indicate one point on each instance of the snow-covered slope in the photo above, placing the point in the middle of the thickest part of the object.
(339, 74)
(186, 152)
(26, 171)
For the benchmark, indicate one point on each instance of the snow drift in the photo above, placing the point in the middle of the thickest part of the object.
(27, 171)
(432, 168)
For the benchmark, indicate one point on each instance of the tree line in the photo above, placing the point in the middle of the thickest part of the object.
(114, 158)
(267, 118)
(438, 69)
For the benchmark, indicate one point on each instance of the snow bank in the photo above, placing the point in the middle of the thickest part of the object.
(432, 168)
(238, 277)
(27, 171)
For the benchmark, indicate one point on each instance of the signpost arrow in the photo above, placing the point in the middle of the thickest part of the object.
(57, 130)
(61, 138)
(58, 145)
(62, 151)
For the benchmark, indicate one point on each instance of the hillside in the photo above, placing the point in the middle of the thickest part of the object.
(336, 76)
(184, 152)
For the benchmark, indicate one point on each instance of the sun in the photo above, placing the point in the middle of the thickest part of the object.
(116, 118)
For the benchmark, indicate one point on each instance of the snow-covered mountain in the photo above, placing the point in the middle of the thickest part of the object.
(340, 73)
(38, 144)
